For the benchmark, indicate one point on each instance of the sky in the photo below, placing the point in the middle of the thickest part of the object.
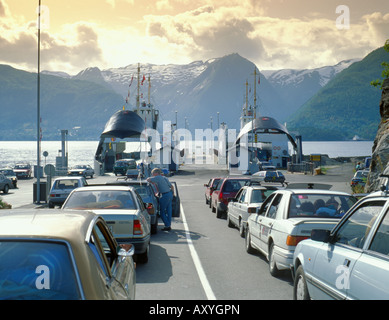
(273, 34)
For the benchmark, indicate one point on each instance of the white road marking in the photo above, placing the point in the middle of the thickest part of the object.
(200, 271)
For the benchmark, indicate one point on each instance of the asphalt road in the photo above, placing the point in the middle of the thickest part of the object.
(201, 258)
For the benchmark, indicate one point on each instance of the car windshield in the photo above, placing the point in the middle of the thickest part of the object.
(143, 190)
(66, 184)
(22, 166)
(33, 270)
(320, 205)
(79, 167)
(102, 199)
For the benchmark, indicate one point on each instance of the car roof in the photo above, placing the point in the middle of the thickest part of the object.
(69, 178)
(314, 191)
(66, 225)
(105, 187)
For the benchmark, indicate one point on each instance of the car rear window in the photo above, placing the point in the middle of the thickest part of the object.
(102, 199)
(66, 184)
(320, 205)
(37, 270)
(234, 185)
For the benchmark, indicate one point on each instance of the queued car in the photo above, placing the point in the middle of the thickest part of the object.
(149, 194)
(10, 174)
(351, 260)
(359, 179)
(123, 210)
(209, 187)
(246, 202)
(61, 188)
(5, 183)
(23, 170)
(287, 217)
(68, 256)
(226, 190)
(269, 176)
(121, 166)
(84, 170)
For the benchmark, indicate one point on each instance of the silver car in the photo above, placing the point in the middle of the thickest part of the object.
(123, 210)
(81, 170)
(350, 261)
(62, 187)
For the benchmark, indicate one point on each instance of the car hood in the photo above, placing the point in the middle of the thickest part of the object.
(103, 212)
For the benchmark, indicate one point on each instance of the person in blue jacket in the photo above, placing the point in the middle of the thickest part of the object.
(165, 202)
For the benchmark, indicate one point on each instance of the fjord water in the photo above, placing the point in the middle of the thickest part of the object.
(82, 152)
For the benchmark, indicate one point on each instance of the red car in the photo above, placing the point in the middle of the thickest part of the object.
(226, 190)
(210, 186)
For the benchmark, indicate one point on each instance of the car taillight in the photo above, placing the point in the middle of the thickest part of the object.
(137, 229)
(294, 240)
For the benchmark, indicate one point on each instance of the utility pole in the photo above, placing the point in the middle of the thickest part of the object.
(38, 191)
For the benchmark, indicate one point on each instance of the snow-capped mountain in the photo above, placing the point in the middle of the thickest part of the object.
(202, 89)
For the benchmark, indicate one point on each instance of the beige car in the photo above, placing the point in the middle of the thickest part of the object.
(62, 255)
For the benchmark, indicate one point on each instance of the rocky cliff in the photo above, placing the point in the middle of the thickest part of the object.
(380, 152)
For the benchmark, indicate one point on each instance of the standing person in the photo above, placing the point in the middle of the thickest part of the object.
(165, 202)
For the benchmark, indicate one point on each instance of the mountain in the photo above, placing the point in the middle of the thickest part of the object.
(194, 92)
(296, 87)
(82, 107)
(200, 89)
(346, 106)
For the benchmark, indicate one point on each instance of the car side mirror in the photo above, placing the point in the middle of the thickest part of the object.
(321, 235)
(126, 250)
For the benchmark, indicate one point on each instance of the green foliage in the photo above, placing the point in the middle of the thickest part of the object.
(385, 72)
(4, 205)
(347, 106)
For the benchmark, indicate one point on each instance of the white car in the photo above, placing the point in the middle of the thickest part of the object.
(246, 202)
(287, 217)
(350, 261)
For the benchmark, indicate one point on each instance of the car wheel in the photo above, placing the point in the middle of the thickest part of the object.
(247, 242)
(154, 228)
(219, 213)
(229, 222)
(6, 188)
(144, 257)
(272, 262)
(213, 209)
(51, 205)
(242, 230)
(300, 289)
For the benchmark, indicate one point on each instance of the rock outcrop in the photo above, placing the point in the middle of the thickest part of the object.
(380, 151)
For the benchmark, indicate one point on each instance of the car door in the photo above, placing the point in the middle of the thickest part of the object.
(233, 206)
(331, 269)
(241, 205)
(255, 222)
(176, 202)
(369, 279)
(119, 270)
(267, 222)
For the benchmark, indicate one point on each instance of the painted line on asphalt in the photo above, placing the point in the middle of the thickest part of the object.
(199, 268)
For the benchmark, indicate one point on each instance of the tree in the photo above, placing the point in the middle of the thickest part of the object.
(385, 72)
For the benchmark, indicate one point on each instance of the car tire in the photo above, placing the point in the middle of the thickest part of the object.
(300, 288)
(242, 231)
(272, 262)
(213, 209)
(154, 228)
(219, 213)
(229, 222)
(247, 242)
(51, 205)
(144, 257)
(6, 188)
